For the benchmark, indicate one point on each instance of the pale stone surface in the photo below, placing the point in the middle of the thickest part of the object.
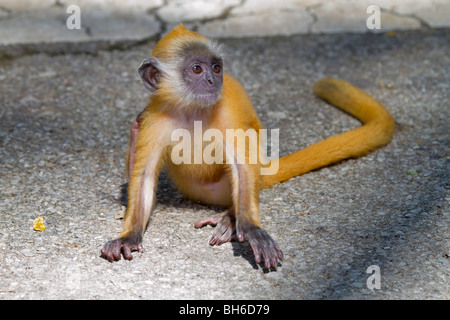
(351, 16)
(32, 26)
(340, 16)
(44, 21)
(176, 11)
(31, 21)
(262, 24)
(394, 22)
(435, 13)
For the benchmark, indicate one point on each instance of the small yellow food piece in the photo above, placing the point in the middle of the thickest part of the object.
(38, 224)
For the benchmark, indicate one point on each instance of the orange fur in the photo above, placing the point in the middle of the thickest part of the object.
(232, 183)
(169, 45)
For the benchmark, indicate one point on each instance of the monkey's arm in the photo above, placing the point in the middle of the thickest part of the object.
(146, 159)
(132, 144)
(245, 185)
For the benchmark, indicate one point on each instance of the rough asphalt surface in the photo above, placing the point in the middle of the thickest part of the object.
(64, 125)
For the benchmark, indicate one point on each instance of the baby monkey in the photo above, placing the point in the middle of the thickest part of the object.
(185, 76)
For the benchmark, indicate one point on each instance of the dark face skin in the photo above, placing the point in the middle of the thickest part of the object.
(203, 77)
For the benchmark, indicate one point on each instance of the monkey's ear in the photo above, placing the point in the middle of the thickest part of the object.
(150, 73)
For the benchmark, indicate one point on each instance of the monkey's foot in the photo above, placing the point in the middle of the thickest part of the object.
(261, 243)
(114, 249)
(225, 230)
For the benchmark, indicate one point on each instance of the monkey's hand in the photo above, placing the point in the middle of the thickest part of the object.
(261, 243)
(114, 249)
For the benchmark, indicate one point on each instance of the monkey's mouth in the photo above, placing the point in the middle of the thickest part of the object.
(207, 99)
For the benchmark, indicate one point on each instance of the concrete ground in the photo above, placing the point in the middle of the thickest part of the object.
(64, 123)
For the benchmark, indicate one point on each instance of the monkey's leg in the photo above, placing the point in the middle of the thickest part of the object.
(225, 224)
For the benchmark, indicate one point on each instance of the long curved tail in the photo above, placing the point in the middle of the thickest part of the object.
(376, 131)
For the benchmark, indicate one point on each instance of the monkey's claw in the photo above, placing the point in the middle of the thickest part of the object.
(114, 249)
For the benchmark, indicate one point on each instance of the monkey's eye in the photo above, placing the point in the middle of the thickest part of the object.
(216, 68)
(197, 69)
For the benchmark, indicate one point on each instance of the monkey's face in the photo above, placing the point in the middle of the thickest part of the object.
(190, 77)
(203, 78)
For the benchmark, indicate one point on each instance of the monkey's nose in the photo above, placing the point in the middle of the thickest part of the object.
(209, 79)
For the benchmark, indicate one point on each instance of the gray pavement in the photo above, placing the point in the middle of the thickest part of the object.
(64, 123)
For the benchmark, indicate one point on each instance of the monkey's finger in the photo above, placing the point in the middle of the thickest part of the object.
(276, 253)
(219, 238)
(109, 251)
(279, 252)
(106, 256)
(220, 234)
(116, 252)
(226, 236)
(276, 249)
(216, 234)
(224, 231)
(270, 257)
(213, 221)
(205, 222)
(268, 249)
(241, 238)
(256, 251)
(127, 252)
